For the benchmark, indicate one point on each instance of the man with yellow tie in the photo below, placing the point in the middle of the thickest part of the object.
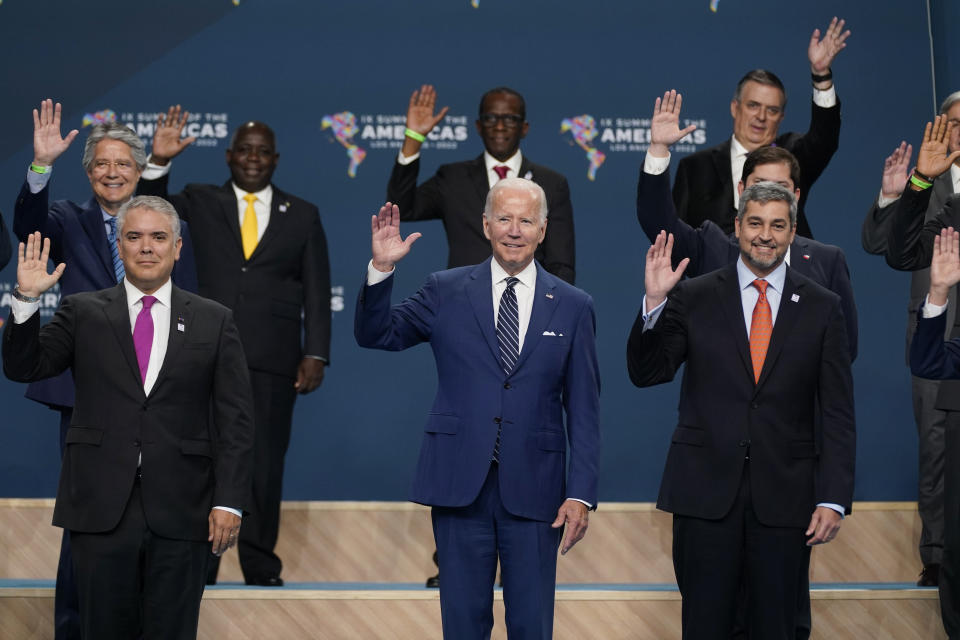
(261, 252)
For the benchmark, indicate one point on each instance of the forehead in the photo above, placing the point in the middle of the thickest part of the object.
(953, 113)
(765, 94)
(772, 172)
(514, 201)
(768, 212)
(501, 103)
(110, 148)
(147, 221)
(254, 136)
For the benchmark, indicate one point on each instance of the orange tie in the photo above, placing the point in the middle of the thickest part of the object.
(761, 326)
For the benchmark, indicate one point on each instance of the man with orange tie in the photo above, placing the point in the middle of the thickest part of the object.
(261, 252)
(456, 193)
(751, 475)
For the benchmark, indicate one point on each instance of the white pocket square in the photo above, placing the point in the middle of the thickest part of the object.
(549, 333)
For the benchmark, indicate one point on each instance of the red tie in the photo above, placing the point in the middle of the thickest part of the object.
(502, 171)
(761, 326)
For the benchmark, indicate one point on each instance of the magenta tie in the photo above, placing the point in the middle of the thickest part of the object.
(143, 335)
(502, 171)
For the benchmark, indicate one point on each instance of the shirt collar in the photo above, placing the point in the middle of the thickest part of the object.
(527, 277)
(775, 279)
(264, 195)
(106, 216)
(955, 177)
(162, 294)
(737, 149)
(513, 162)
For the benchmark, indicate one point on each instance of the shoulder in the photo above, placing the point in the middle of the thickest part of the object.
(201, 304)
(462, 168)
(704, 155)
(812, 289)
(545, 175)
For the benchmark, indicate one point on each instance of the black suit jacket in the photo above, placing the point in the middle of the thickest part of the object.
(457, 193)
(704, 191)
(287, 273)
(723, 412)
(709, 248)
(194, 431)
(6, 250)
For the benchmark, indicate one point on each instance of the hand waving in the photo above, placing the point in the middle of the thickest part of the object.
(821, 52)
(167, 143)
(47, 143)
(945, 266)
(387, 245)
(659, 275)
(32, 276)
(932, 159)
(665, 125)
(896, 169)
(420, 115)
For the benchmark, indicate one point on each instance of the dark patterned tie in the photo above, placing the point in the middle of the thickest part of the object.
(114, 254)
(508, 335)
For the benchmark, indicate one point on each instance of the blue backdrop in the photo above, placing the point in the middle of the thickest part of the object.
(291, 64)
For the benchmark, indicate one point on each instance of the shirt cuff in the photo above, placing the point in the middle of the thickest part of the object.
(320, 358)
(22, 311)
(589, 506)
(655, 166)
(835, 507)
(37, 181)
(825, 99)
(233, 511)
(375, 276)
(650, 317)
(883, 201)
(932, 310)
(155, 171)
(404, 160)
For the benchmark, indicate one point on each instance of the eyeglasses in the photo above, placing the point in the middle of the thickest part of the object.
(122, 166)
(509, 120)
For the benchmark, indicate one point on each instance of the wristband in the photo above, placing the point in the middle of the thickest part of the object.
(410, 133)
(37, 168)
(923, 177)
(22, 298)
(916, 180)
(827, 76)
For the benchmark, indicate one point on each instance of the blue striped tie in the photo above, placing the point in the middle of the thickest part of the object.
(508, 335)
(114, 254)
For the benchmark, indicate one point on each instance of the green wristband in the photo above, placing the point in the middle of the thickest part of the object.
(410, 133)
(920, 183)
(36, 168)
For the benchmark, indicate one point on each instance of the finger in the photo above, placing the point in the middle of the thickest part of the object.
(45, 254)
(936, 245)
(952, 158)
(815, 38)
(57, 108)
(186, 142)
(682, 267)
(926, 132)
(59, 270)
(70, 136)
(413, 237)
(688, 130)
(440, 116)
(36, 120)
(678, 103)
(814, 521)
(210, 527)
(182, 122)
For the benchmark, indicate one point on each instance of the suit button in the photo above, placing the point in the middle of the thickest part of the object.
(497, 420)
(243, 269)
(506, 385)
(136, 443)
(755, 405)
(744, 443)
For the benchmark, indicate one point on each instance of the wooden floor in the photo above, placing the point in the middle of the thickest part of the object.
(617, 583)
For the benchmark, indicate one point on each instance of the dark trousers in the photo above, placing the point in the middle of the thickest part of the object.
(931, 429)
(273, 398)
(469, 542)
(135, 584)
(950, 567)
(66, 603)
(804, 620)
(711, 559)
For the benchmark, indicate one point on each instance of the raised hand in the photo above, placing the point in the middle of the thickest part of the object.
(167, 143)
(665, 125)
(420, 115)
(387, 245)
(47, 143)
(32, 276)
(945, 265)
(821, 52)
(659, 275)
(896, 169)
(932, 159)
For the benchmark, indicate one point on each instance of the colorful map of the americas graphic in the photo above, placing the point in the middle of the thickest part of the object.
(344, 126)
(584, 130)
(99, 117)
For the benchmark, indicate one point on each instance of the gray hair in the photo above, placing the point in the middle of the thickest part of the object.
(114, 131)
(764, 192)
(517, 184)
(153, 203)
(951, 100)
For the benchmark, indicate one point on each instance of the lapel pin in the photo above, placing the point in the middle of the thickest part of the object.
(549, 296)
(283, 206)
(180, 324)
(528, 175)
(794, 298)
(806, 256)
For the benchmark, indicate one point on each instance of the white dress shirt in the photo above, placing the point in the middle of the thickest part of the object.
(513, 163)
(525, 289)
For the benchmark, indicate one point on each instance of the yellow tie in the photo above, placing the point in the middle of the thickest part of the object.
(248, 231)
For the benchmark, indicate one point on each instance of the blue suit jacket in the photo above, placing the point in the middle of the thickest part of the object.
(710, 248)
(78, 238)
(549, 399)
(930, 356)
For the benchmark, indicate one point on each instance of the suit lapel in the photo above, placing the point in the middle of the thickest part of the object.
(91, 219)
(721, 162)
(545, 302)
(278, 220)
(228, 208)
(119, 317)
(731, 302)
(480, 293)
(787, 315)
(526, 167)
(180, 315)
(478, 176)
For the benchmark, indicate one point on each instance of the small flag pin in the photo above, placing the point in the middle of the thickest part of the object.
(794, 298)
(806, 256)
(550, 296)
(180, 324)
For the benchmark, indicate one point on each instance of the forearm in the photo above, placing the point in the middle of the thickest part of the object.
(909, 245)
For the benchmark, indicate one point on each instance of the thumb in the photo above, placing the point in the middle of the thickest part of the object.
(682, 266)
(814, 521)
(187, 142)
(413, 237)
(953, 156)
(561, 518)
(70, 136)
